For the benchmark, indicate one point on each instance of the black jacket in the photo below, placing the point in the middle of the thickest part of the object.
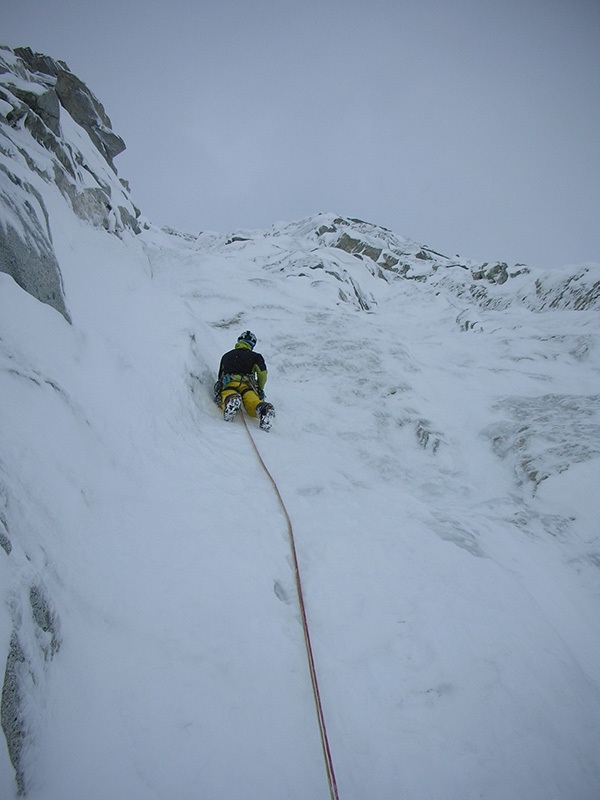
(244, 361)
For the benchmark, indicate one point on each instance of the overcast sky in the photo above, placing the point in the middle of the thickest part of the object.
(472, 126)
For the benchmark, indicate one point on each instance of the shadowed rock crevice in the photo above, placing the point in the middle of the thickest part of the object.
(34, 641)
(11, 712)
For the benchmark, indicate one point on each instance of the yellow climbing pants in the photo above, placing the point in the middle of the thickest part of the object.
(249, 397)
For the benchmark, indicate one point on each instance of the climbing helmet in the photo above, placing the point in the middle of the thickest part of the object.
(249, 337)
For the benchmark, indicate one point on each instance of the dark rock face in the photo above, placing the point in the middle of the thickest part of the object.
(76, 98)
(45, 106)
(13, 724)
(34, 88)
(35, 640)
(38, 62)
(85, 109)
(26, 251)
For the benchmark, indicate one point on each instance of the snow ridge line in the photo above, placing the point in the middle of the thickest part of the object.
(309, 652)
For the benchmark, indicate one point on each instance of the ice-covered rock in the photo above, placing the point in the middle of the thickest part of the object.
(54, 134)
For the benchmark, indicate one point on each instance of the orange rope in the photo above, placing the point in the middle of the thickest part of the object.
(311, 662)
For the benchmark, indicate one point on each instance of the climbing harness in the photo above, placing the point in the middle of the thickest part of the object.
(248, 380)
(311, 662)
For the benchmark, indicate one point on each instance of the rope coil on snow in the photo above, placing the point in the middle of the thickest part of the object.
(311, 662)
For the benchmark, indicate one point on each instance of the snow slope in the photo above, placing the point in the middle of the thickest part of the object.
(437, 446)
(452, 601)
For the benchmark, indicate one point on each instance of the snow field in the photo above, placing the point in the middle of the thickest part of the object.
(454, 638)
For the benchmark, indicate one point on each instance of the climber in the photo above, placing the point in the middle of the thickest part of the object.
(242, 378)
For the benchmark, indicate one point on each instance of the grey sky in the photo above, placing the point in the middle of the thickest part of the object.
(470, 125)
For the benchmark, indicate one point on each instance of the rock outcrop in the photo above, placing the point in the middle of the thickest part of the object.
(41, 103)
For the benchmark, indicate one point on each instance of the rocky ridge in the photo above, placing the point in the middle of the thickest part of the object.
(44, 109)
(355, 252)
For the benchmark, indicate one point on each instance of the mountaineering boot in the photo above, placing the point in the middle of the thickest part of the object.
(266, 412)
(233, 402)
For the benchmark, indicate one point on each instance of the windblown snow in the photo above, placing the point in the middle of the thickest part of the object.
(437, 447)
